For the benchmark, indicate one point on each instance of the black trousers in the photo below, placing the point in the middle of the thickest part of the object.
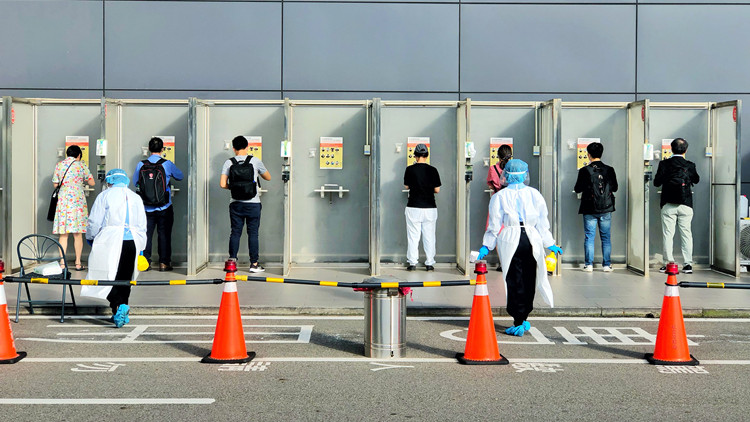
(120, 294)
(162, 221)
(521, 281)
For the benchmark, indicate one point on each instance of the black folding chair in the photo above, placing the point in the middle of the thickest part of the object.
(34, 251)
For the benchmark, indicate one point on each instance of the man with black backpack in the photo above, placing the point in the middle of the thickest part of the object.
(597, 184)
(240, 175)
(151, 179)
(676, 176)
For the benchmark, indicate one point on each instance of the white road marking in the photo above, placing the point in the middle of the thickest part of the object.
(360, 318)
(384, 366)
(361, 360)
(539, 338)
(107, 401)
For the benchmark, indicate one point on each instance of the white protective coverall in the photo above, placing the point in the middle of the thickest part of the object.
(504, 210)
(106, 226)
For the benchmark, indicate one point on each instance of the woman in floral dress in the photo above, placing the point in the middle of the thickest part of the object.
(72, 213)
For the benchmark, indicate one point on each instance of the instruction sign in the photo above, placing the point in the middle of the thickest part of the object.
(83, 143)
(168, 147)
(582, 154)
(331, 153)
(666, 148)
(495, 144)
(256, 146)
(411, 143)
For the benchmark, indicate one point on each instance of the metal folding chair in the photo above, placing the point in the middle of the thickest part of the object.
(37, 255)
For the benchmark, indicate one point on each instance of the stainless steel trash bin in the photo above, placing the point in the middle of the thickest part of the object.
(385, 323)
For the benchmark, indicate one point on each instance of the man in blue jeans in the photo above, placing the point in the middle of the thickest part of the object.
(240, 175)
(596, 183)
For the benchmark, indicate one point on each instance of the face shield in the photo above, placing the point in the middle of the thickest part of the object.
(515, 174)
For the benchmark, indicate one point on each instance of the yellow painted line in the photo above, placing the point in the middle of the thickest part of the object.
(329, 283)
(274, 280)
(175, 282)
(40, 280)
(389, 284)
(431, 284)
(89, 282)
(719, 285)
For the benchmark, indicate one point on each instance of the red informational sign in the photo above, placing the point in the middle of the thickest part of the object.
(734, 114)
(12, 115)
(643, 113)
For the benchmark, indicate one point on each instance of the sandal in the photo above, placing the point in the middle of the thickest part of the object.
(80, 267)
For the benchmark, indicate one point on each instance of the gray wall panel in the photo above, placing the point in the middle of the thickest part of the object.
(204, 95)
(519, 48)
(193, 45)
(709, 57)
(51, 45)
(392, 96)
(382, 47)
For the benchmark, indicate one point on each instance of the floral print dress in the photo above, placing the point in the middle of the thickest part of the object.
(72, 212)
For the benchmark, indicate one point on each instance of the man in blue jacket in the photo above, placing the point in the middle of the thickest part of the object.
(157, 200)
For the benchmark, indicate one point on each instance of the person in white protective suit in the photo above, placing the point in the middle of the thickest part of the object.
(117, 225)
(523, 212)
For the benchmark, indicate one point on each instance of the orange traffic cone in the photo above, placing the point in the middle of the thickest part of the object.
(8, 352)
(229, 338)
(481, 342)
(671, 339)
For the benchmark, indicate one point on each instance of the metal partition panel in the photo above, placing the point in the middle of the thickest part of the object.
(637, 226)
(112, 132)
(689, 121)
(5, 177)
(224, 121)
(399, 122)
(329, 227)
(498, 120)
(607, 122)
(463, 185)
(141, 120)
(23, 163)
(725, 187)
(197, 181)
(549, 141)
(56, 120)
(375, 142)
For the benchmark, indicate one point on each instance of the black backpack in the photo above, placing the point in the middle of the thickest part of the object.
(242, 179)
(602, 197)
(152, 183)
(677, 186)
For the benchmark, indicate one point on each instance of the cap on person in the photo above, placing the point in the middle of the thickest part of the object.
(421, 150)
(116, 176)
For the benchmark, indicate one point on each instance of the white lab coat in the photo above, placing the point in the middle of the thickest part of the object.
(106, 226)
(504, 210)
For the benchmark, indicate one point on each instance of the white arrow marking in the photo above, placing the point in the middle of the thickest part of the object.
(386, 366)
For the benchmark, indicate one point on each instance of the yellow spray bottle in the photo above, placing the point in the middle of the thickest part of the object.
(551, 262)
(142, 262)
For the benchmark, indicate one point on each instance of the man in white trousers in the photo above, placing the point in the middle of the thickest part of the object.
(423, 182)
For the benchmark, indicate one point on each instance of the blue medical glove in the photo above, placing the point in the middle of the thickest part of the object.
(90, 241)
(556, 249)
(483, 251)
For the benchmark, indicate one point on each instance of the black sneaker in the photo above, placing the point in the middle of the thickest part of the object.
(411, 268)
(687, 269)
(429, 268)
(663, 269)
(499, 268)
(256, 268)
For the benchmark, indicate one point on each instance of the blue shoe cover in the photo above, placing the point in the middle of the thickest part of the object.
(526, 326)
(516, 330)
(121, 317)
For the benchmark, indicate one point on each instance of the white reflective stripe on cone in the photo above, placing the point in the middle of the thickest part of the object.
(672, 291)
(481, 290)
(2, 295)
(230, 287)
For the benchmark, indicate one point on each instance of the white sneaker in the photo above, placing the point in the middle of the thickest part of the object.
(588, 268)
(256, 268)
(607, 269)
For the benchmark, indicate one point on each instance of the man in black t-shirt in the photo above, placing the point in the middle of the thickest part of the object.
(423, 182)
